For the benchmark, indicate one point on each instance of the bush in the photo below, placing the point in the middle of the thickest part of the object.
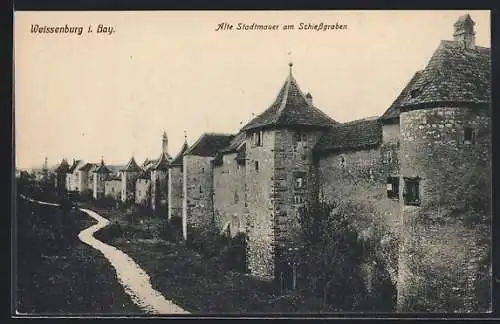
(172, 230)
(206, 240)
(106, 202)
(330, 255)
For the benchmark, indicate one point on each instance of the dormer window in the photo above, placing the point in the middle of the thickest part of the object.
(300, 137)
(415, 93)
(257, 138)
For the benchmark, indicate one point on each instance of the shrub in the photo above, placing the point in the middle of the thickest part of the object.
(172, 230)
(330, 255)
(206, 240)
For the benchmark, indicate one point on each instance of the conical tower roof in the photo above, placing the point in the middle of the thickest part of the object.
(290, 108)
(63, 167)
(132, 166)
(177, 161)
(102, 168)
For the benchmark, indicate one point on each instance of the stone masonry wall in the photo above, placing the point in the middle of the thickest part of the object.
(98, 183)
(292, 159)
(112, 188)
(159, 189)
(198, 192)
(175, 192)
(142, 190)
(229, 195)
(360, 185)
(260, 220)
(128, 185)
(445, 253)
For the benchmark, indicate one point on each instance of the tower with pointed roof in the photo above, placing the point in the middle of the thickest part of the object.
(61, 171)
(129, 174)
(100, 174)
(159, 179)
(175, 187)
(280, 174)
(445, 175)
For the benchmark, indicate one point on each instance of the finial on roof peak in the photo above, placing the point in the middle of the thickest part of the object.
(290, 64)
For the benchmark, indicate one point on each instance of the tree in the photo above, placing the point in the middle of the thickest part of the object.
(331, 254)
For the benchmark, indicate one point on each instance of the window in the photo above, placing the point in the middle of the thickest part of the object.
(393, 188)
(201, 190)
(388, 157)
(412, 193)
(256, 165)
(257, 138)
(236, 197)
(202, 170)
(469, 135)
(298, 199)
(112, 189)
(300, 180)
(300, 137)
(342, 162)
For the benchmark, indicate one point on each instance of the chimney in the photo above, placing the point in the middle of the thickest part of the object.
(309, 98)
(464, 32)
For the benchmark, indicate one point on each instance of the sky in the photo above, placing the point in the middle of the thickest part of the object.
(112, 95)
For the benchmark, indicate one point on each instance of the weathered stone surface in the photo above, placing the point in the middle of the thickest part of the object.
(447, 237)
(175, 192)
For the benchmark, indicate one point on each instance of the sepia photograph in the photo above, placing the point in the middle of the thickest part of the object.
(251, 162)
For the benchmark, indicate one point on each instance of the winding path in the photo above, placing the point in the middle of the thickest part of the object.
(134, 280)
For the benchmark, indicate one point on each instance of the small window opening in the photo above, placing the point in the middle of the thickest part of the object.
(469, 136)
(393, 188)
(412, 192)
(342, 162)
(256, 165)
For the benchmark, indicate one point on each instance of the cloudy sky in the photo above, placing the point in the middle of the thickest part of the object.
(113, 95)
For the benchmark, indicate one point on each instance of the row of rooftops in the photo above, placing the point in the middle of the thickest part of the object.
(458, 73)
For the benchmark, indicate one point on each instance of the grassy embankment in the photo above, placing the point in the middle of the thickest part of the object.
(56, 272)
(198, 284)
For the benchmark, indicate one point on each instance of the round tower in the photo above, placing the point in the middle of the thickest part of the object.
(444, 262)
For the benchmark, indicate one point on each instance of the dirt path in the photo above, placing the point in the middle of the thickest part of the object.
(134, 280)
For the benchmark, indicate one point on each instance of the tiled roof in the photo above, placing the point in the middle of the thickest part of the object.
(454, 75)
(132, 166)
(354, 135)
(235, 143)
(290, 108)
(209, 144)
(102, 168)
(162, 163)
(74, 166)
(393, 110)
(63, 167)
(177, 161)
(87, 167)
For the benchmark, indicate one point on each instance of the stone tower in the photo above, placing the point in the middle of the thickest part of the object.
(61, 171)
(159, 179)
(100, 174)
(280, 175)
(444, 262)
(130, 174)
(175, 187)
